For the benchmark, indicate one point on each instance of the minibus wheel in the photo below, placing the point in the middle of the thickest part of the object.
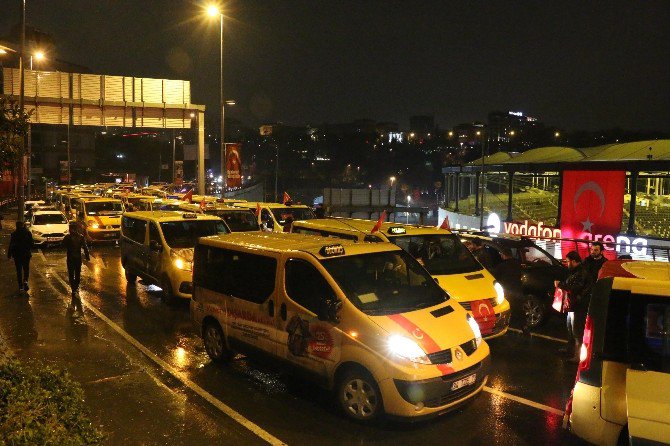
(359, 396)
(215, 344)
(168, 295)
(533, 311)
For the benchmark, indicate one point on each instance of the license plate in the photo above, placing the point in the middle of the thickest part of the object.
(53, 239)
(468, 380)
(110, 234)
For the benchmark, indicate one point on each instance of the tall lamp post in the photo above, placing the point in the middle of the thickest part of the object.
(22, 85)
(215, 11)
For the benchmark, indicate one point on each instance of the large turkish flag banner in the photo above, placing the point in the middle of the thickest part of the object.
(592, 204)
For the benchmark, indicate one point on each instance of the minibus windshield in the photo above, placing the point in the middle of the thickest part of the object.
(185, 234)
(440, 254)
(238, 221)
(104, 208)
(384, 283)
(281, 214)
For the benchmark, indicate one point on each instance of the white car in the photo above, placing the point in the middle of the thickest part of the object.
(48, 227)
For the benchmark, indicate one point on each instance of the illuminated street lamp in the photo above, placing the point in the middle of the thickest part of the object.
(38, 55)
(512, 133)
(392, 179)
(557, 135)
(409, 198)
(214, 11)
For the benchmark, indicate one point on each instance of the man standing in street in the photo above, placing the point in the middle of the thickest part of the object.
(20, 245)
(74, 243)
(595, 261)
(578, 288)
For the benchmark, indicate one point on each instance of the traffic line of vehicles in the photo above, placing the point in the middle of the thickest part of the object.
(392, 318)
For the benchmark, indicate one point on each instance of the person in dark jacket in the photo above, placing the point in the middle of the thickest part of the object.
(74, 244)
(480, 253)
(20, 246)
(595, 260)
(578, 286)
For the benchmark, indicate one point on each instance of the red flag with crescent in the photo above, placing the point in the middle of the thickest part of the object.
(189, 196)
(591, 206)
(203, 205)
(286, 198)
(258, 209)
(445, 223)
(379, 223)
(484, 314)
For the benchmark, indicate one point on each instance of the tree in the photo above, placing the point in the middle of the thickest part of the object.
(14, 124)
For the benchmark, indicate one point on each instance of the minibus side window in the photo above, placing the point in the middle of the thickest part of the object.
(615, 347)
(238, 274)
(649, 339)
(134, 229)
(154, 234)
(306, 286)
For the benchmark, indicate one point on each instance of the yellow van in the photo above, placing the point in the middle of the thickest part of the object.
(237, 219)
(441, 253)
(273, 215)
(365, 320)
(99, 219)
(158, 246)
(622, 389)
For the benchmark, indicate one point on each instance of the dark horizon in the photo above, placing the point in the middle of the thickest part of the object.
(300, 63)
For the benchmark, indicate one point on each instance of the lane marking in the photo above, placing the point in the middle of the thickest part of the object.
(227, 410)
(522, 400)
(44, 259)
(538, 335)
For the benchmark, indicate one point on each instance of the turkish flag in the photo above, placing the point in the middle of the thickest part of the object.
(258, 209)
(484, 314)
(286, 198)
(203, 205)
(188, 197)
(591, 206)
(378, 225)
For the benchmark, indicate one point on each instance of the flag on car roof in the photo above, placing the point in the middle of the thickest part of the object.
(189, 196)
(286, 198)
(378, 225)
(445, 223)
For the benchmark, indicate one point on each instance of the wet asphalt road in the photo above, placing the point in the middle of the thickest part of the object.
(129, 346)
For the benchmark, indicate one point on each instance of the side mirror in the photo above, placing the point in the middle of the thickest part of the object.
(329, 309)
(155, 246)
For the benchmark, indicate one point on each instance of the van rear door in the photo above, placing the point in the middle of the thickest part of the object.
(648, 379)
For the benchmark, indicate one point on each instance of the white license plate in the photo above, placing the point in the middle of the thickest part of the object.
(464, 382)
(53, 239)
(110, 234)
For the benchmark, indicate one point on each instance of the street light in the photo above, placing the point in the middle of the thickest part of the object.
(557, 135)
(214, 11)
(409, 198)
(38, 55)
(392, 179)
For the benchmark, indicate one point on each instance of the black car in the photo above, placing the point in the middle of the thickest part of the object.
(539, 270)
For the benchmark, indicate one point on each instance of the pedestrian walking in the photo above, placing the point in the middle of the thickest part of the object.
(74, 244)
(20, 246)
(577, 286)
(595, 261)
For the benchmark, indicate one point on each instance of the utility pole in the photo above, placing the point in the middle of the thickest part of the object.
(22, 87)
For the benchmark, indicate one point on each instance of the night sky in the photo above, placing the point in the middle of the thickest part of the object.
(577, 65)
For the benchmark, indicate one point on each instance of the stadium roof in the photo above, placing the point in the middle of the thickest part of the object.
(653, 155)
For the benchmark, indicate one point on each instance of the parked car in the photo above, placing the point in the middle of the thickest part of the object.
(48, 227)
(539, 270)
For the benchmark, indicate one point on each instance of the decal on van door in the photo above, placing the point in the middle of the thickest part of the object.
(307, 339)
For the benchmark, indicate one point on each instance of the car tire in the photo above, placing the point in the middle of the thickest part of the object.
(533, 310)
(359, 397)
(130, 276)
(215, 343)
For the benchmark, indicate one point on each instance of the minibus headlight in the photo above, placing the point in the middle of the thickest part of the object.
(93, 225)
(405, 348)
(500, 293)
(475, 329)
(181, 264)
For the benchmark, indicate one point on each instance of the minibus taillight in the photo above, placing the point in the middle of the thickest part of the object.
(587, 346)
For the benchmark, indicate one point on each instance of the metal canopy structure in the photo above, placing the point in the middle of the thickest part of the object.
(60, 98)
